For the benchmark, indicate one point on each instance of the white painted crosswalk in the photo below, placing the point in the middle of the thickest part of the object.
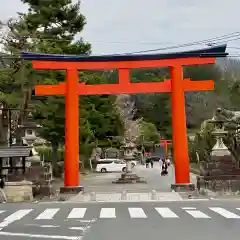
(166, 213)
(197, 214)
(15, 217)
(77, 213)
(48, 213)
(8, 216)
(107, 213)
(137, 213)
(225, 213)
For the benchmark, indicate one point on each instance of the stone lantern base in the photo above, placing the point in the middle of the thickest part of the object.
(129, 178)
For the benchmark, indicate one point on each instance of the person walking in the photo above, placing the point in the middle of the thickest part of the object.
(164, 167)
(150, 159)
(147, 160)
(168, 162)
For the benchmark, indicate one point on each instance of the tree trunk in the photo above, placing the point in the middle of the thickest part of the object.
(54, 157)
(4, 124)
(23, 116)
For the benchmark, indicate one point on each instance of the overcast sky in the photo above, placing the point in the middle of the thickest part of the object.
(117, 26)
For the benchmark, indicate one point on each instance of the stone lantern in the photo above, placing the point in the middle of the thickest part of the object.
(128, 176)
(129, 147)
(219, 149)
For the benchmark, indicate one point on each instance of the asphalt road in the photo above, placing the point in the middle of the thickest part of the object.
(137, 221)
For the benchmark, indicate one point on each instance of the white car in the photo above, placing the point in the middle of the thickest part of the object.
(113, 165)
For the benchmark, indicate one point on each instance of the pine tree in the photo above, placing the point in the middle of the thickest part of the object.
(54, 26)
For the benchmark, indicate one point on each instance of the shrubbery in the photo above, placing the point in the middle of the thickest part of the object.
(46, 153)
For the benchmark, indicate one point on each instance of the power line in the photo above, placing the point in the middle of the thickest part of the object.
(234, 36)
(206, 41)
(230, 40)
(223, 37)
(234, 47)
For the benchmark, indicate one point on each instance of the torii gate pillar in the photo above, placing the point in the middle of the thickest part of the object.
(71, 173)
(179, 128)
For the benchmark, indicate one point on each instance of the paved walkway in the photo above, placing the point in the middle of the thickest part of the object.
(99, 187)
(102, 182)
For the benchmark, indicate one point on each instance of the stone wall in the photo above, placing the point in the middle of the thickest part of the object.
(18, 191)
(222, 173)
(39, 174)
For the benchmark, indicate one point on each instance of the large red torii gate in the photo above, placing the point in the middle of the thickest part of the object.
(71, 89)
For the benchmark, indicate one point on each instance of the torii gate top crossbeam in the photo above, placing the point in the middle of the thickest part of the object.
(55, 61)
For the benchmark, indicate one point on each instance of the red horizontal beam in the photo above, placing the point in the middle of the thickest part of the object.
(55, 65)
(163, 141)
(100, 89)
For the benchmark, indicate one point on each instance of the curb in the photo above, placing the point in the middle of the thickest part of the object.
(125, 201)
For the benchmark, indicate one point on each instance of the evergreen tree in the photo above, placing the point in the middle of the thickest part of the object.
(153, 107)
(52, 26)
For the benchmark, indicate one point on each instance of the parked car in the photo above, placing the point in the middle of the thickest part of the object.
(109, 160)
(114, 165)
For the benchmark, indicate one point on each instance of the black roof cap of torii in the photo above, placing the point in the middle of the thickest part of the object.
(216, 51)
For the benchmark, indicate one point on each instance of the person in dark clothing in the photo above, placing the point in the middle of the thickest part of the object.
(147, 160)
(164, 167)
(151, 160)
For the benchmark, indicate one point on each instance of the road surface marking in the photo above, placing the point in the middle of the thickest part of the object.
(77, 228)
(166, 212)
(15, 217)
(47, 214)
(2, 211)
(197, 214)
(40, 236)
(188, 208)
(225, 213)
(87, 221)
(77, 213)
(42, 226)
(107, 213)
(48, 226)
(137, 213)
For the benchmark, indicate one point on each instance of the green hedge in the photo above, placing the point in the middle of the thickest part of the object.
(46, 153)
